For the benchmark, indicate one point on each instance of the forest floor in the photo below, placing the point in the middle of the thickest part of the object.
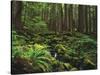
(50, 52)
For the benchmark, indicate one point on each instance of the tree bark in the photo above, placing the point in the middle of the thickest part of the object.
(16, 15)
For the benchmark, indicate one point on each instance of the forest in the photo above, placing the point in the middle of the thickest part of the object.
(52, 37)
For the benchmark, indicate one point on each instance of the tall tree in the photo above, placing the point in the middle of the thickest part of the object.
(16, 15)
(90, 19)
(70, 17)
(65, 17)
(95, 20)
(62, 17)
(86, 18)
(81, 18)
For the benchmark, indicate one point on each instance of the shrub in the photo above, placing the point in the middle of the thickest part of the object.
(38, 59)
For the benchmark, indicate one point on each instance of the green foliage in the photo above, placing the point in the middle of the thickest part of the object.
(67, 66)
(40, 59)
(39, 46)
(17, 44)
(31, 19)
(74, 52)
(44, 43)
(36, 25)
(86, 44)
(74, 69)
(60, 49)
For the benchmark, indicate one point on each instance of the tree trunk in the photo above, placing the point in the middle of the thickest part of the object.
(81, 18)
(70, 18)
(16, 15)
(86, 18)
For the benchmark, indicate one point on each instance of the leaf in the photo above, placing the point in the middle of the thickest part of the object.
(67, 65)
